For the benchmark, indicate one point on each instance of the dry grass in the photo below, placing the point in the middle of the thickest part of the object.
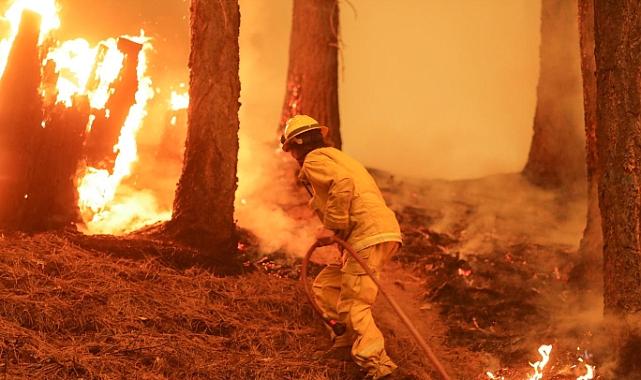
(68, 313)
(104, 307)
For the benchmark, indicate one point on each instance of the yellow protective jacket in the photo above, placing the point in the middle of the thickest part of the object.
(346, 198)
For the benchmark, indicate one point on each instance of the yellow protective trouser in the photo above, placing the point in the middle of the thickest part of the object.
(347, 293)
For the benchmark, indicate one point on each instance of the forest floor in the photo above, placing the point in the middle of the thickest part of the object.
(483, 276)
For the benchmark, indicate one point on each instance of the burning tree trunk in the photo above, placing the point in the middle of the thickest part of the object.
(557, 155)
(588, 273)
(40, 154)
(20, 119)
(53, 195)
(312, 79)
(105, 130)
(204, 205)
(618, 58)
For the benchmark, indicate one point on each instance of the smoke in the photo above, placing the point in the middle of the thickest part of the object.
(436, 89)
(270, 203)
(492, 212)
(429, 89)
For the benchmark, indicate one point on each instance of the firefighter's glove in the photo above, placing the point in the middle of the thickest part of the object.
(325, 241)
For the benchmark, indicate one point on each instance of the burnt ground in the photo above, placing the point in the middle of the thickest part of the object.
(483, 276)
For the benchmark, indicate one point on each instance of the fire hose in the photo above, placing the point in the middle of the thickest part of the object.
(339, 328)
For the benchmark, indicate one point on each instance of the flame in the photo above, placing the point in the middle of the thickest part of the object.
(48, 9)
(538, 366)
(75, 61)
(589, 369)
(97, 188)
(545, 350)
(89, 71)
(179, 101)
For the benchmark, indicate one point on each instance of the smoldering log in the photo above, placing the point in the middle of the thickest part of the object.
(20, 118)
(105, 130)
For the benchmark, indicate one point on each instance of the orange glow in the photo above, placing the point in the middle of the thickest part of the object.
(98, 188)
(538, 366)
(75, 60)
(545, 351)
(179, 101)
(90, 71)
(50, 21)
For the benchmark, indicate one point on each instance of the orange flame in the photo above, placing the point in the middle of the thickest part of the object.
(97, 187)
(538, 366)
(75, 62)
(545, 350)
(589, 369)
(48, 9)
(179, 101)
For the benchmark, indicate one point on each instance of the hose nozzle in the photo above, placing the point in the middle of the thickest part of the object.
(338, 327)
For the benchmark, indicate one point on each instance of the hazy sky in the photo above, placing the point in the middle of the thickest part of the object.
(429, 88)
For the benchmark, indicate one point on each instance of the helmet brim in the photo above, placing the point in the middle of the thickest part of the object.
(288, 142)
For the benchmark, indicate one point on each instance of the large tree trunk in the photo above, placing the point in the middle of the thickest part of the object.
(557, 152)
(588, 272)
(618, 58)
(203, 214)
(312, 78)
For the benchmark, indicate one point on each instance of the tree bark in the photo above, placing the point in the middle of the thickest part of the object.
(20, 120)
(52, 180)
(618, 58)
(40, 146)
(557, 153)
(312, 77)
(203, 214)
(617, 29)
(588, 272)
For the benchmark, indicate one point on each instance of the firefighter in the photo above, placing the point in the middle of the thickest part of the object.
(350, 205)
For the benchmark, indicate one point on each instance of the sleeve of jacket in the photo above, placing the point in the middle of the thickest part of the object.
(325, 174)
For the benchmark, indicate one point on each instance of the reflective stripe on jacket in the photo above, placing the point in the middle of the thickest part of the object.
(346, 198)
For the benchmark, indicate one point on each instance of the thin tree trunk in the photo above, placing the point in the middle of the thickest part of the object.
(312, 78)
(203, 213)
(588, 272)
(557, 152)
(618, 58)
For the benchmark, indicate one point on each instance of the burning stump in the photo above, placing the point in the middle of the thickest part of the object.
(43, 142)
(105, 130)
(20, 119)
